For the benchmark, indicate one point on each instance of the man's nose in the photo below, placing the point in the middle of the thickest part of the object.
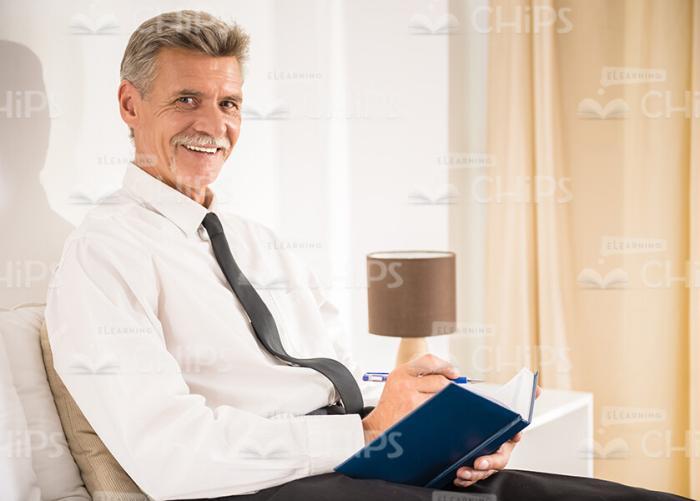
(212, 121)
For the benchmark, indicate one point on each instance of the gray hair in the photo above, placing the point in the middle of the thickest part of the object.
(185, 29)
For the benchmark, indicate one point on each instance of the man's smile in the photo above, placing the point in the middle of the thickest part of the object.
(203, 149)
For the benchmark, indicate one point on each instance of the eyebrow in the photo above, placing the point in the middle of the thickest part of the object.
(196, 93)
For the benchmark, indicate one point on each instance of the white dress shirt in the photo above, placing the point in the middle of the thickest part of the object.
(158, 353)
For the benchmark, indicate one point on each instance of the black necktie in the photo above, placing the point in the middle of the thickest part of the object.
(264, 324)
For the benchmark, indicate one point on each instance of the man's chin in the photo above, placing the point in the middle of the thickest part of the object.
(197, 168)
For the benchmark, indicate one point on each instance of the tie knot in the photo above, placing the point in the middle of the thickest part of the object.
(212, 224)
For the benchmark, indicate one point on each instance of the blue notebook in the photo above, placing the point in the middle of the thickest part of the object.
(446, 432)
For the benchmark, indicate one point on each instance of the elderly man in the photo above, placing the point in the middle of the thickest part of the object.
(203, 383)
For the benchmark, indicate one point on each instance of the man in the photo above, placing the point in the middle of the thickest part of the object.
(206, 384)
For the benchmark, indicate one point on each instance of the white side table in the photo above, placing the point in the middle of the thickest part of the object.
(556, 440)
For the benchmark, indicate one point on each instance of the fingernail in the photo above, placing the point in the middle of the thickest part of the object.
(483, 464)
(466, 475)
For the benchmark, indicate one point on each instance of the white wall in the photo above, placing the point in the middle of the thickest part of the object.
(362, 99)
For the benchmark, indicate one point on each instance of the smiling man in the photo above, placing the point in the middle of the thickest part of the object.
(199, 381)
(185, 119)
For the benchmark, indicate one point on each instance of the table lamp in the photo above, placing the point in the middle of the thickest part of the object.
(411, 295)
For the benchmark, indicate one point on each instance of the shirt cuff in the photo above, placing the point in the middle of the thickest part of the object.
(332, 440)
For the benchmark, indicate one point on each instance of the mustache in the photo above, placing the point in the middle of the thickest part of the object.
(204, 140)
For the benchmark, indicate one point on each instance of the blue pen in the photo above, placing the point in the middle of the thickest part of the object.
(380, 377)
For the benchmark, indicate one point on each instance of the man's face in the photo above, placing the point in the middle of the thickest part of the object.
(188, 122)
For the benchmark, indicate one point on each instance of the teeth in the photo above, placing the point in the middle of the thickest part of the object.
(201, 149)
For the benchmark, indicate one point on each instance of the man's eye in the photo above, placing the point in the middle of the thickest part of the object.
(229, 104)
(185, 100)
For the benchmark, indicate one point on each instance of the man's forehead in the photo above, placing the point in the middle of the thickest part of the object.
(186, 69)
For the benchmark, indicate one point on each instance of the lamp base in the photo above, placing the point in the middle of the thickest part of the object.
(410, 348)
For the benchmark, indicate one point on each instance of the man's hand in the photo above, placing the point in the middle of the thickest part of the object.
(485, 466)
(406, 387)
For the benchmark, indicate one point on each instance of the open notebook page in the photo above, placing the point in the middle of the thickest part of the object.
(516, 394)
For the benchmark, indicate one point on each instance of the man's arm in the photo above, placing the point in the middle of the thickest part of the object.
(109, 350)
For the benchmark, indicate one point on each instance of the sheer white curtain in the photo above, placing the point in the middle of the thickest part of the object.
(345, 121)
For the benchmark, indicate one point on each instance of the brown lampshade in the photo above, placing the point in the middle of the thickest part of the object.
(411, 293)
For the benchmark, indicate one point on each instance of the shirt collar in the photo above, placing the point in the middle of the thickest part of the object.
(166, 200)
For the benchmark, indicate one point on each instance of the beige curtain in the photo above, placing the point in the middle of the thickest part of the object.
(593, 224)
(693, 343)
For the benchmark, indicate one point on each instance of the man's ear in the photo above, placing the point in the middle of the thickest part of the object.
(128, 96)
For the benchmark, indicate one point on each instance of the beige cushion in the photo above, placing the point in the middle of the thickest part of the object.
(103, 476)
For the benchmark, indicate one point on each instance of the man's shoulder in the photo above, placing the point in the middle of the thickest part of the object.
(106, 251)
(113, 222)
(124, 212)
